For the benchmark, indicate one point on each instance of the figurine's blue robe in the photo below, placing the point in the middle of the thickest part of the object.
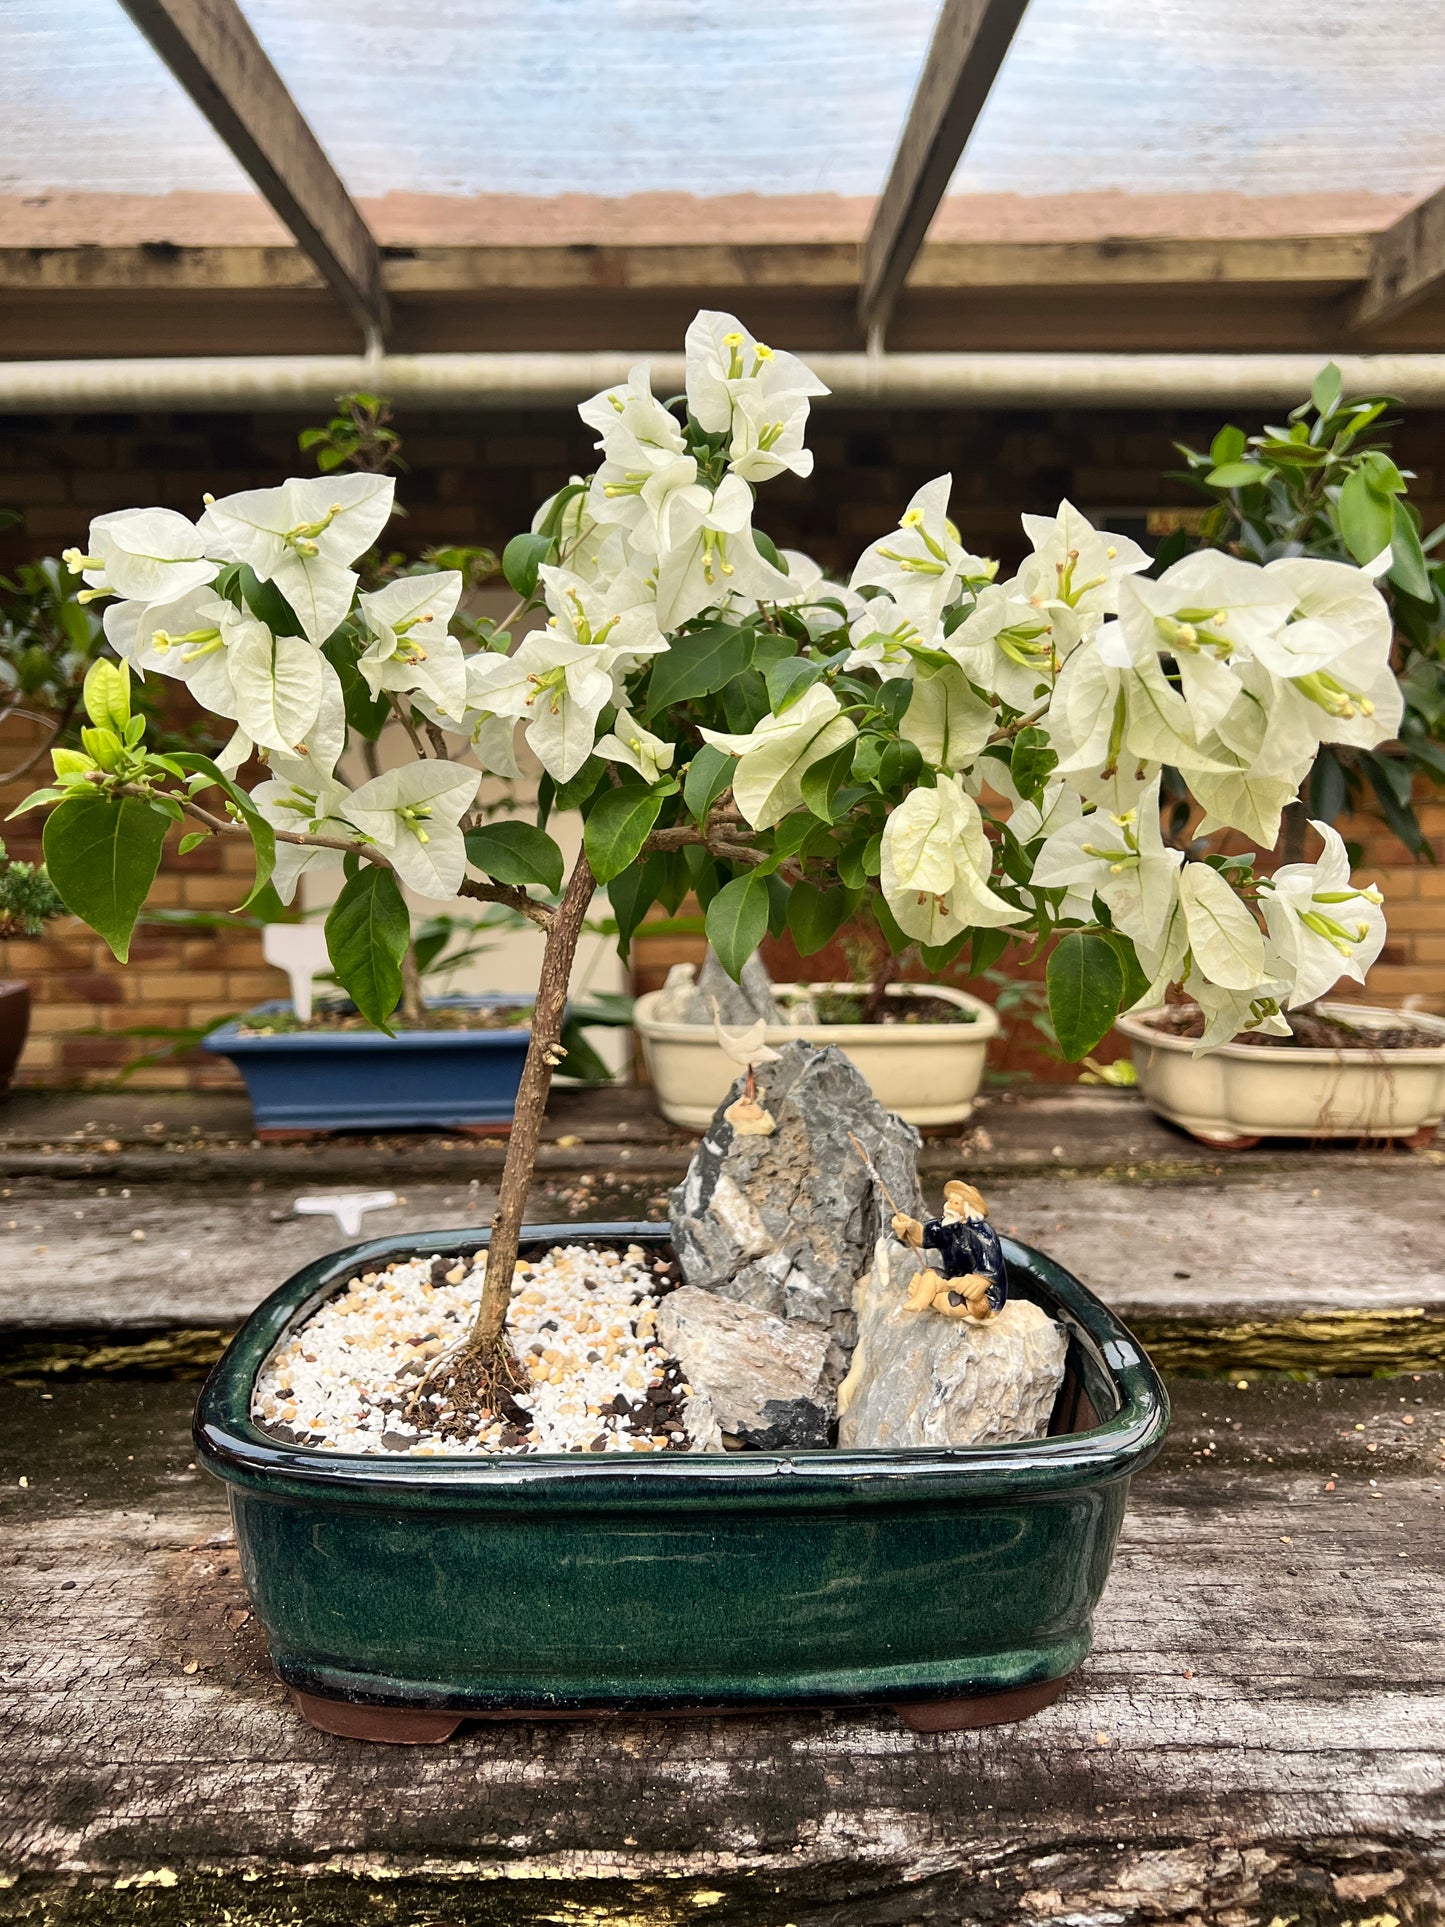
(970, 1246)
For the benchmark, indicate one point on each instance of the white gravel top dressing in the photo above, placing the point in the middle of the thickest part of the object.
(582, 1323)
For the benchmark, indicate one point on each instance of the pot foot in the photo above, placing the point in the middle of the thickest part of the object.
(504, 1129)
(1224, 1143)
(983, 1709)
(1426, 1135)
(392, 1725)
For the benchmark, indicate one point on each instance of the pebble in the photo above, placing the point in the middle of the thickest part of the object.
(582, 1322)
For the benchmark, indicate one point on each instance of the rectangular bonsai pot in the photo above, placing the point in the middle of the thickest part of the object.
(570, 1583)
(360, 1080)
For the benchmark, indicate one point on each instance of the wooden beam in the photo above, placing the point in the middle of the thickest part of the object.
(210, 48)
(1407, 263)
(967, 50)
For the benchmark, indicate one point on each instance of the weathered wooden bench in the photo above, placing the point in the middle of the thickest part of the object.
(1259, 1736)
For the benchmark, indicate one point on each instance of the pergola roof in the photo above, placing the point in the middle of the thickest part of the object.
(1174, 176)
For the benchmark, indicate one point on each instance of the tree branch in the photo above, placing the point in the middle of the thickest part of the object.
(542, 914)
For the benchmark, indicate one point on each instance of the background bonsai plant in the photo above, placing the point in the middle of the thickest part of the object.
(975, 758)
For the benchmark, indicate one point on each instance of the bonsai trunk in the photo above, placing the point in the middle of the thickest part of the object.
(542, 1058)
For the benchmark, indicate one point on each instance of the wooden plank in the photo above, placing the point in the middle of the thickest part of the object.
(1260, 1731)
(1321, 264)
(210, 48)
(1407, 265)
(967, 50)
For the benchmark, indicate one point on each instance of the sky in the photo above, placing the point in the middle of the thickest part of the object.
(711, 97)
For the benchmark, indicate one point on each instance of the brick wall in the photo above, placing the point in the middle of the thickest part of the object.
(477, 478)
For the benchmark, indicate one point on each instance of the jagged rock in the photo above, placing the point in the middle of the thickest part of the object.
(764, 1377)
(787, 1223)
(737, 1004)
(674, 1000)
(921, 1379)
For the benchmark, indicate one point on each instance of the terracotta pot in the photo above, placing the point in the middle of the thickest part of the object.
(14, 1026)
(928, 1073)
(1240, 1093)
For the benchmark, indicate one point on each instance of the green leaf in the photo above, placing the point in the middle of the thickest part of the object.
(102, 853)
(266, 602)
(516, 853)
(822, 781)
(699, 665)
(1031, 762)
(1136, 978)
(192, 841)
(522, 558)
(737, 921)
(1325, 393)
(367, 932)
(633, 894)
(1408, 570)
(768, 550)
(899, 765)
(1366, 516)
(788, 679)
(1086, 987)
(1391, 783)
(106, 694)
(988, 946)
(815, 916)
(708, 775)
(572, 794)
(851, 871)
(938, 956)
(617, 826)
(1237, 475)
(1228, 446)
(365, 713)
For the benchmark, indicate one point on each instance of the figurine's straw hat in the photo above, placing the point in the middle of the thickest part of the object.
(959, 1194)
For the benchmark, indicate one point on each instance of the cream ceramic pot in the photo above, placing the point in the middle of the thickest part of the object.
(928, 1073)
(1240, 1093)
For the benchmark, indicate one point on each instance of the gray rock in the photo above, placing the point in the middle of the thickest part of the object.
(918, 1378)
(788, 1223)
(738, 1004)
(763, 1377)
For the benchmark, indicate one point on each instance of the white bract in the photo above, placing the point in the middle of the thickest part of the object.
(986, 754)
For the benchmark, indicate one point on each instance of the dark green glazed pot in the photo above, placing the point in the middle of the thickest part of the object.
(548, 1585)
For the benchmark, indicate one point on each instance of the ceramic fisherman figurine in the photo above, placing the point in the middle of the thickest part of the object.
(974, 1283)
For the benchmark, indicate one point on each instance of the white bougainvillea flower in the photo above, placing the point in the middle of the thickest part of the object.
(768, 430)
(156, 635)
(494, 742)
(883, 639)
(775, 757)
(1056, 806)
(1228, 1012)
(1225, 941)
(294, 799)
(710, 555)
(414, 815)
(722, 358)
(641, 502)
(557, 686)
(303, 537)
(146, 555)
(1209, 612)
(634, 430)
(1075, 566)
(629, 743)
(617, 619)
(1336, 608)
(1322, 926)
(408, 645)
(821, 604)
(947, 721)
(1006, 646)
(924, 565)
(936, 865)
(1122, 859)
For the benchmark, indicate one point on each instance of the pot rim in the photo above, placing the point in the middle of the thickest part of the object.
(228, 1039)
(231, 1446)
(1141, 1030)
(982, 1029)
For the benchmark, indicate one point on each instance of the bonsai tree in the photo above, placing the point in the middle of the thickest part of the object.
(976, 759)
(1323, 484)
(28, 899)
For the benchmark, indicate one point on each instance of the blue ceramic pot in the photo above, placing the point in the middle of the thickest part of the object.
(401, 1594)
(363, 1080)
